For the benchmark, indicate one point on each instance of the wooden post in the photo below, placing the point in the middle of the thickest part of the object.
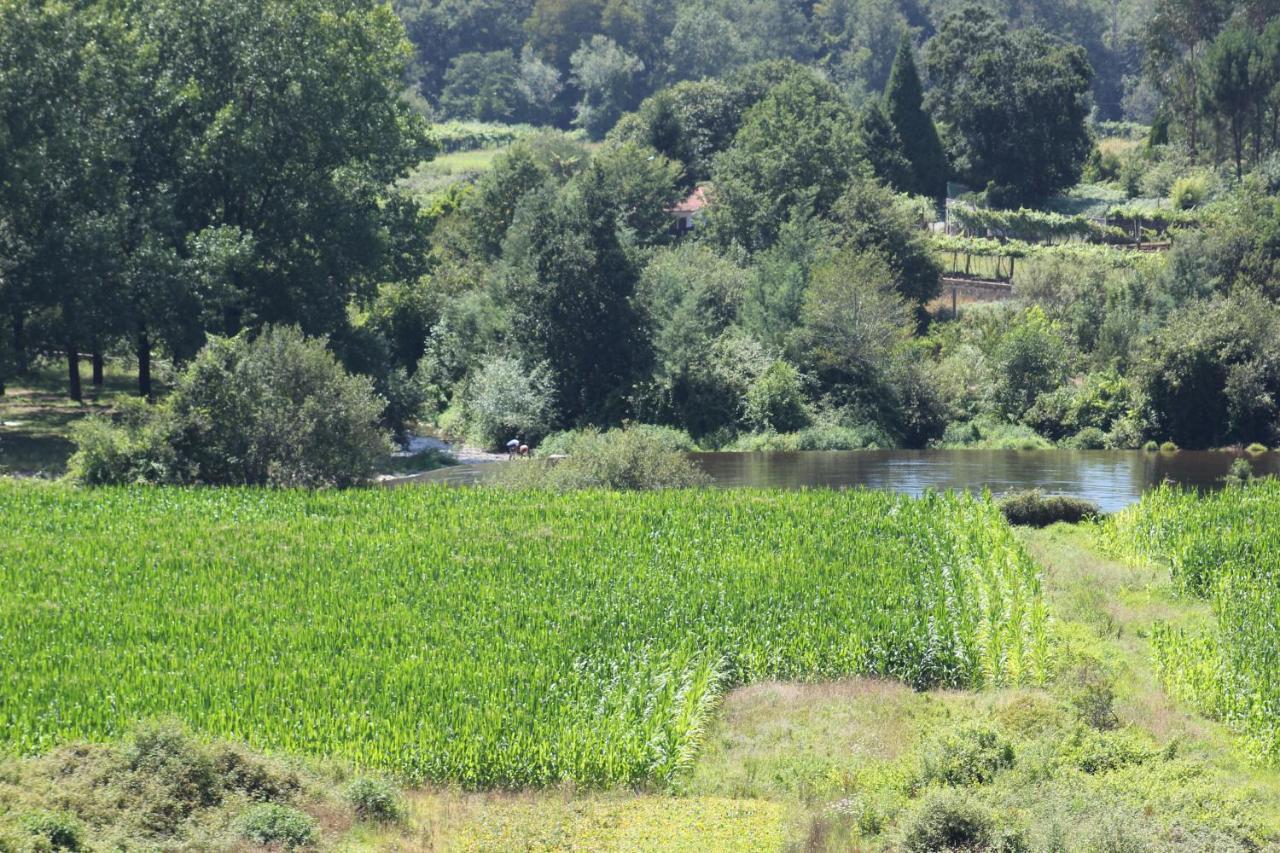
(955, 309)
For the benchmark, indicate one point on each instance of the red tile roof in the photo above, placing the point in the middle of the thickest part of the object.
(695, 202)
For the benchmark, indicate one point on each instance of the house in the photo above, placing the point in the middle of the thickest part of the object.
(686, 213)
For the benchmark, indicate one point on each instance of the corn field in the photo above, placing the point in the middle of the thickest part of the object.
(1225, 548)
(487, 637)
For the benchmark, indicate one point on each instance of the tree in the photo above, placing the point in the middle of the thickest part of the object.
(639, 185)
(795, 152)
(557, 28)
(880, 146)
(608, 78)
(852, 322)
(1211, 377)
(904, 101)
(702, 44)
(481, 86)
(1234, 81)
(570, 284)
(870, 218)
(1030, 360)
(1175, 38)
(1014, 105)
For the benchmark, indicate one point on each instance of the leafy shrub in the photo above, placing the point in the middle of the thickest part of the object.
(248, 774)
(824, 437)
(138, 447)
(507, 400)
(624, 459)
(566, 443)
(1189, 191)
(989, 434)
(57, 831)
(1256, 448)
(1089, 438)
(1168, 447)
(1092, 751)
(272, 823)
(276, 409)
(966, 755)
(1033, 508)
(948, 820)
(1239, 473)
(376, 800)
(1150, 446)
(169, 775)
(776, 400)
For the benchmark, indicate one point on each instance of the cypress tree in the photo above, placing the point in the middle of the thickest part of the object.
(904, 100)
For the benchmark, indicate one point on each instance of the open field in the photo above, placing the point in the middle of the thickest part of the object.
(1225, 549)
(487, 637)
(1101, 757)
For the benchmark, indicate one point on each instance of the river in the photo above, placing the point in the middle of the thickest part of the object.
(1111, 478)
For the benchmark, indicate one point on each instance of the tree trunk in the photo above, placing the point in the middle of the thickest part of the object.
(98, 369)
(19, 342)
(144, 365)
(73, 373)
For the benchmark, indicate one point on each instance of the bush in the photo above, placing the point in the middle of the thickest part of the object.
(1089, 438)
(1033, 508)
(1189, 191)
(272, 823)
(1256, 448)
(825, 437)
(138, 447)
(625, 459)
(276, 409)
(1168, 447)
(506, 400)
(989, 434)
(376, 800)
(1150, 446)
(776, 400)
(56, 831)
(967, 755)
(566, 443)
(947, 820)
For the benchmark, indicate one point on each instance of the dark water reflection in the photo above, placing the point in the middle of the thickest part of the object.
(1111, 478)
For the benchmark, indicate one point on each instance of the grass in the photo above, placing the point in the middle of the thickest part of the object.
(487, 637)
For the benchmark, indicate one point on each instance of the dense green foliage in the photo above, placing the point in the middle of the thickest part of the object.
(1036, 509)
(485, 636)
(276, 409)
(633, 459)
(1220, 547)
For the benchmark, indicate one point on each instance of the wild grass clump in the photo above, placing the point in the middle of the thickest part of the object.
(624, 459)
(1222, 547)
(482, 636)
(1033, 508)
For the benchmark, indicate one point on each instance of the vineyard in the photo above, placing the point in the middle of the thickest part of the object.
(488, 637)
(1224, 548)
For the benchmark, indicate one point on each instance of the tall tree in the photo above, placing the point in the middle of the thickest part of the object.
(795, 152)
(1176, 36)
(904, 100)
(1014, 105)
(1234, 80)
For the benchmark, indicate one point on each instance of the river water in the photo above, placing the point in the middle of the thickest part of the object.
(1111, 478)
